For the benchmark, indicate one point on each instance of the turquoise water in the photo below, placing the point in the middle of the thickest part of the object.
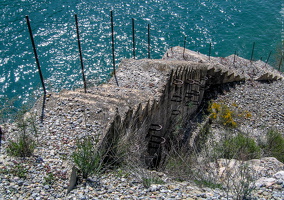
(230, 25)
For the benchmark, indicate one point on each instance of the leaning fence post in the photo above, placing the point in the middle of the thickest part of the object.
(80, 53)
(149, 41)
(112, 44)
(133, 38)
(36, 56)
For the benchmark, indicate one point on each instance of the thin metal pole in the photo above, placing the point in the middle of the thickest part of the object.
(268, 58)
(210, 50)
(36, 56)
(235, 56)
(184, 47)
(149, 42)
(280, 63)
(252, 52)
(0, 137)
(112, 44)
(80, 53)
(133, 38)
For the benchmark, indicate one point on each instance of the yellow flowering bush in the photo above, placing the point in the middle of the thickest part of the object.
(214, 109)
(225, 115)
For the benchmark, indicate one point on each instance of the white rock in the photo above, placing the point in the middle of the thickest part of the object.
(52, 152)
(263, 181)
(279, 175)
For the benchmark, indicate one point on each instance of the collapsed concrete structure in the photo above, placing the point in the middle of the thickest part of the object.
(154, 101)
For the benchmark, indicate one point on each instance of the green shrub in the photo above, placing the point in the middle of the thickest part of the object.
(49, 179)
(178, 164)
(20, 171)
(208, 184)
(148, 181)
(17, 170)
(239, 147)
(274, 145)
(87, 158)
(23, 147)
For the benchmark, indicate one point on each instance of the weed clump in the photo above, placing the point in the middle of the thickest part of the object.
(49, 179)
(148, 181)
(274, 145)
(18, 170)
(23, 147)
(88, 159)
(239, 147)
(24, 144)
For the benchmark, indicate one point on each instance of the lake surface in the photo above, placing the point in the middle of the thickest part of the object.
(229, 25)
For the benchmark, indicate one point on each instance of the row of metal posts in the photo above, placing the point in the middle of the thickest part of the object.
(113, 50)
(80, 49)
(251, 59)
